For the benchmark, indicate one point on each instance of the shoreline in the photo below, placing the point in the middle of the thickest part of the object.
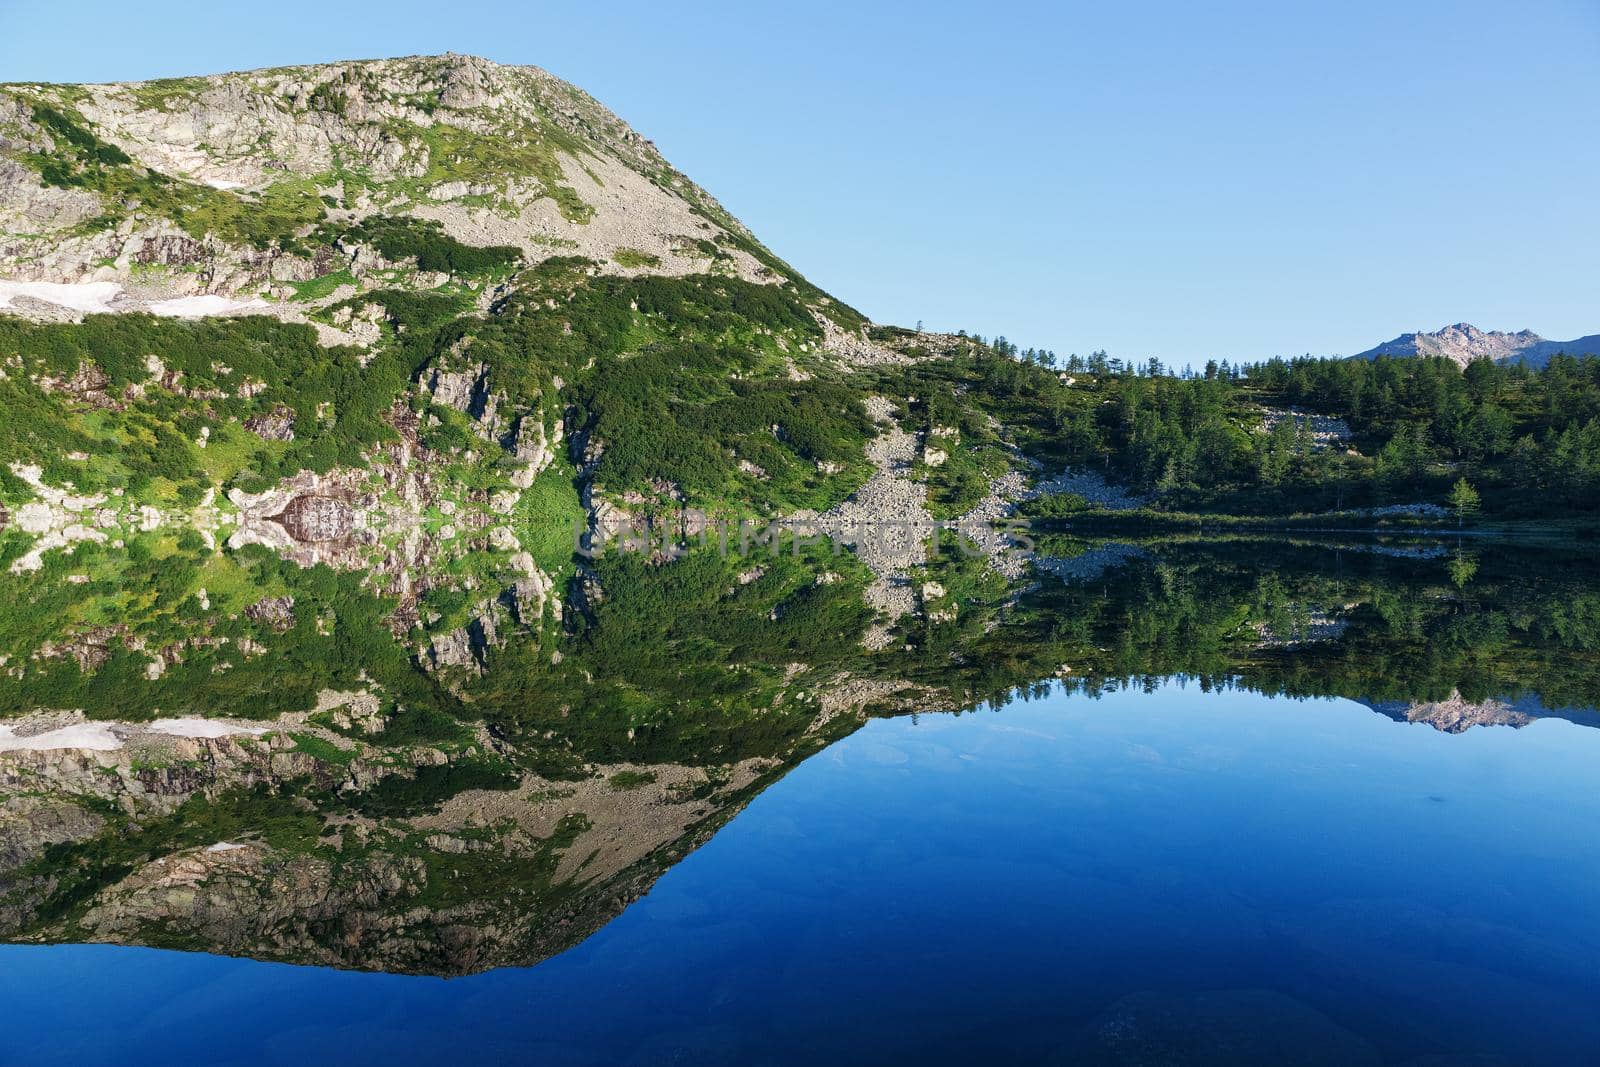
(1564, 531)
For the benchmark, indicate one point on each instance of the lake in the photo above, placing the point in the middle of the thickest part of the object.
(1171, 851)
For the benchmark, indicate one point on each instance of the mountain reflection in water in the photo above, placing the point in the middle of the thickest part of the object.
(280, 773)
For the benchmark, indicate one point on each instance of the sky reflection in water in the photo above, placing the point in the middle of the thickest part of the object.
(1067, 879)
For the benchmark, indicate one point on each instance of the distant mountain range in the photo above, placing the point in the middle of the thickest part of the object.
(1454, 715)
(1465, 343)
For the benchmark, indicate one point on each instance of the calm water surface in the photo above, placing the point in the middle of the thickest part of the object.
(1068, 880)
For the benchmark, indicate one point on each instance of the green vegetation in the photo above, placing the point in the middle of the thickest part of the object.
(706, 661)
(1464, 500)
(683, 379)
(663, 425)
(79, 870)
(533, 151)
(322, 287)
(275, 217)
(321, 748)
(633, 258)
(1528, 440)
(426, 242)
(707, 392)
(1364, 619)
(840, 313)
(339, 638)
(400, 795)
(76, 143)
(167, 94)
(547, 513)
(682, 663)
(69, 400)
(623, 781)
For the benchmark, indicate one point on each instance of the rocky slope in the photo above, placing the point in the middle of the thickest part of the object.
(309, 376)
(498, 798)
(1454, 715)
(214, 185)
(465, 261)
(1464, 343)
(233, 837)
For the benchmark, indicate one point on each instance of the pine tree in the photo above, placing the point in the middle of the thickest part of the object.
(1464, 500)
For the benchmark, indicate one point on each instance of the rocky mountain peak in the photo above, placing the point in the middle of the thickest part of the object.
(1464, 342)
(240, 185)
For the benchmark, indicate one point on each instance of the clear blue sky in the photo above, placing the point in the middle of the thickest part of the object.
(1169, 178)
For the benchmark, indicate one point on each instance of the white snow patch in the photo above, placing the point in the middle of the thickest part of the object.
(203, 728)
(108, 736)
(96, 297)
(198, 307)
(79, 296)
(224, 846)
(89, 736)
(224, 183)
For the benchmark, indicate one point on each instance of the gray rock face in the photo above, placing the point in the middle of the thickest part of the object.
(1094, 489)
(30, 824)
(855, 350)
(276, 611)
(231, 140)
(391, 903)
(886, 521)
(533, 447)
(1464, 343)
(1090, 565)
(468, 646)
(453, 649)
(276, 425)
(465, 389)
(310, 518)
(1322, 431)
(528, 596)
(28, 207)
(1455, 715)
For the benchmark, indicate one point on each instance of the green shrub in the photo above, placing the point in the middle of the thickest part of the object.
(633, 258)
(434, 250)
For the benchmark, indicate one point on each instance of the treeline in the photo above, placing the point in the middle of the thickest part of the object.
(1256, 439)
(1531, 435)
(1278, 617)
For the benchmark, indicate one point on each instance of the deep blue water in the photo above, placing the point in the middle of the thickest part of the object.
(1301, 876)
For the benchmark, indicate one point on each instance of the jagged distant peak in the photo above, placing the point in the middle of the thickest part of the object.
(1463, 342)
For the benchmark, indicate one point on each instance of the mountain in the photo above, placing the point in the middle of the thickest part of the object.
(430, 324)
(1454, 715)
(1464, 343)
(225, 184)
(321, 389)
(388, 315)
(279, 776)
(477, 273)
